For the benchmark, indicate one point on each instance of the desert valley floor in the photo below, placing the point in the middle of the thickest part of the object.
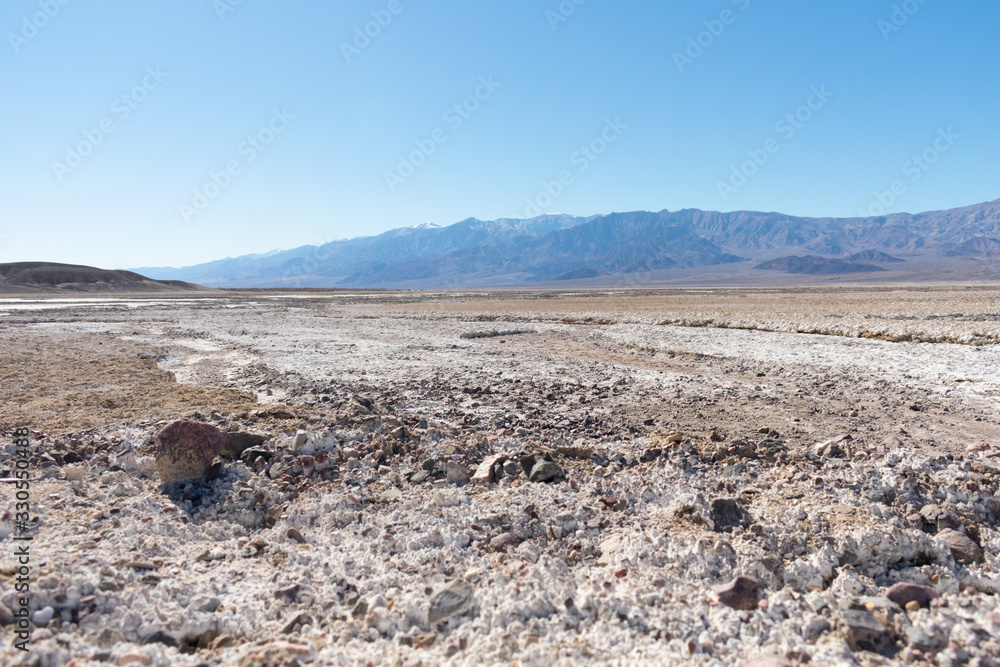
(628, 477)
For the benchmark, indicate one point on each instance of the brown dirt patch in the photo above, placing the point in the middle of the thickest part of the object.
(70, 382)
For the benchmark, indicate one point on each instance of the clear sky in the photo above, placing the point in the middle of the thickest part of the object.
(170, 133)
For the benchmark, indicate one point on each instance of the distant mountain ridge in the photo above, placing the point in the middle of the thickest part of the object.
(563, 247)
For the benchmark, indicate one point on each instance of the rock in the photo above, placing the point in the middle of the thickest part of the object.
(979, 446)
(457, 474)
(140, 565)
(930, 513)
(511, 468)
(650, 455)
(294, 534)
(505, 541)
(206, 603)
(299, 621)
(815, 628)
(947, 519)
(609, 546)
(485, 472)
(864, 632)
(832, 449)
(738, 448)
(186, 450)
(240, 441)
(675, 438)
(43, 616)
(741, 593)
(424, 640)
(277, 470)
(768, 660)
(289, 593)
(301, 443)
(963, 549)
(727, 513)
(613, 503)
(251, 454)
(545, 471)
(903, 593)
(134, 658)
(715, 436)
(919, 638)
(450, 600)
(541, 467)
(420, 476)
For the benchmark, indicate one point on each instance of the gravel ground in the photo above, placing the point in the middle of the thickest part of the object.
(670, 477)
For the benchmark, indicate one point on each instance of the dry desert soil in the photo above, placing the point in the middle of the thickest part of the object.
(630, 477)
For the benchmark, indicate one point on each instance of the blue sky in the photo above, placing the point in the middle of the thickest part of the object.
(170, 133)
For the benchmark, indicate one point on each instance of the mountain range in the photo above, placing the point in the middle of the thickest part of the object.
(557, 247)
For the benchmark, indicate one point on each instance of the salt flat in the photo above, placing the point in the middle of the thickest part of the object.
(661, 408)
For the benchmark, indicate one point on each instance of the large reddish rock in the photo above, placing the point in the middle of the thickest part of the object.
(186, 449)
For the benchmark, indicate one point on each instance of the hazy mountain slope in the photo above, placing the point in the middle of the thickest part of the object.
(813, 265)
(509, 251)
(611, 244)
(874, 257)
(351, 256)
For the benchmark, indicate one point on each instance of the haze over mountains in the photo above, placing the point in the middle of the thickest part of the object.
(557, 247)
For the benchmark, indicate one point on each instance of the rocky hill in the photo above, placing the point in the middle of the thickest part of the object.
(53, 278)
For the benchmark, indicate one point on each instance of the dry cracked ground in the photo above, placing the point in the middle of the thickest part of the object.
(717, 477)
